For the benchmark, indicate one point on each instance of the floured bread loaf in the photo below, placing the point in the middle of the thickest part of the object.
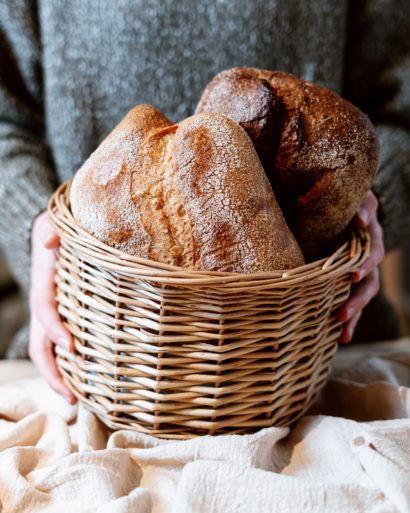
(319, 151)
(193, 195)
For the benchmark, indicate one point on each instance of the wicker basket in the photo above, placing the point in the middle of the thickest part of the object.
(178, 353)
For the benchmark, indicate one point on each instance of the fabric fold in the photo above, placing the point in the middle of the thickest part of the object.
(58, 458)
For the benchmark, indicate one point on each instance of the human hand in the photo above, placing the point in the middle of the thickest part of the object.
(366, 279)
(46, 328)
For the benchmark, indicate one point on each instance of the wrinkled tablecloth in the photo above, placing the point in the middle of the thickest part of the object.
(350, 454)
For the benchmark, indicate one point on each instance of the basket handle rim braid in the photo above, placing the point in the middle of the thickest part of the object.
(176, 353)
(69, 231)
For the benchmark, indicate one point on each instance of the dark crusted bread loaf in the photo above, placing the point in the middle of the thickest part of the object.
(193, 195)
(319, 151)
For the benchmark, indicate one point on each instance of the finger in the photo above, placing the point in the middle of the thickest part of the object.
(360, 297)
(349, 328)
(46, 231)
(369, 265)
(42, 297)
(46, 312)
(42, 354)
(376, 253)
(375, 230)
(367, 209)
(48, 367)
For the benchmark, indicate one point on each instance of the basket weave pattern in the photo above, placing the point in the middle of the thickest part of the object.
(178, 353)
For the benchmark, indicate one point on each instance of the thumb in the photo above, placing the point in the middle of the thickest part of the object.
(46, 232)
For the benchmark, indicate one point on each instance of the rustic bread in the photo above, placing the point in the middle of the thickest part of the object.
(319, 151)
(193, 195)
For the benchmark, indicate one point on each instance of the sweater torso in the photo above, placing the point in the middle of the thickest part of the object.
(99, 61)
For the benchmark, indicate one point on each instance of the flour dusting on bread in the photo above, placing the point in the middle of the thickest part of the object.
(319, 151)
(192, 194)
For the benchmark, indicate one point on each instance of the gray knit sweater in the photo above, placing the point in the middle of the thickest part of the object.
(71, 69)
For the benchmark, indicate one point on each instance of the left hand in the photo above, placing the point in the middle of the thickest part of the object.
(46, 327)
(366, 279)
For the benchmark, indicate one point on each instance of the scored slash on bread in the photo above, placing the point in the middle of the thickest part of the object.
(193, 194)
(319, 151)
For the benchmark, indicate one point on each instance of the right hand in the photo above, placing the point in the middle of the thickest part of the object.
(366, 279)
(46, 328)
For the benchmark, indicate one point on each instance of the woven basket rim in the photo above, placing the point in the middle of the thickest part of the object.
(350, 255)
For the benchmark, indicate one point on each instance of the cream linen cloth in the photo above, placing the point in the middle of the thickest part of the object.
(352, 454)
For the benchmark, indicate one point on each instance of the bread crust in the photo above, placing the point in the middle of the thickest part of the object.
(319, 151)
(193, 194)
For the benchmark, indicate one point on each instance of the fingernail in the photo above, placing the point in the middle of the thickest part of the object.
(357, 276)
(69, 398)
(363, 215)
(47, 239)
(63, 341)
(345, 314)
(346, 336)
(349, 313)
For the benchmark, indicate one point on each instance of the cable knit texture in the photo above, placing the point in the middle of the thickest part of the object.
(70, 70)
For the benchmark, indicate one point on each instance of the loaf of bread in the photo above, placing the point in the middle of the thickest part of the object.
(193, 195)
(319, 151)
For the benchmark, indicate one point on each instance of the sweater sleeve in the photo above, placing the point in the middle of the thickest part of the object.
(377, 78)
(26, 170)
